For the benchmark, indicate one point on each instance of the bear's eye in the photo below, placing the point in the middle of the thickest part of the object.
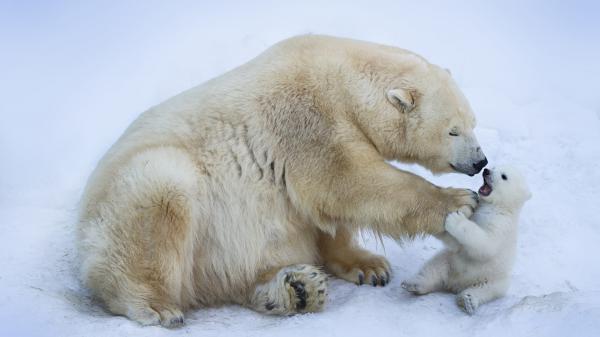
(453, 133)
(504, 176)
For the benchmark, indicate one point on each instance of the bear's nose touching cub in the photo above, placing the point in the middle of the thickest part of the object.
(480, 251)
(248, 188)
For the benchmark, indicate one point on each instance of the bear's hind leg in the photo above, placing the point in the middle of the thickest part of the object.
(139, 245)
(290, 290)
(145, 305)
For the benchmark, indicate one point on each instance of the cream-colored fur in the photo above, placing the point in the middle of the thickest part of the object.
(224, 193)
(477, 264)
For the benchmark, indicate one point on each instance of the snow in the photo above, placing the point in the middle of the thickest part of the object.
(75, 74)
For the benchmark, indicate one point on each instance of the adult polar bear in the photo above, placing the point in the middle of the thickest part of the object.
(235, 190)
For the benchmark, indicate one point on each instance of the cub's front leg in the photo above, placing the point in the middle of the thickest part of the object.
(477, 242)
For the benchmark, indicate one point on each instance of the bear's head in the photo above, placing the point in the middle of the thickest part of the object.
(417, 114)
(504, 186)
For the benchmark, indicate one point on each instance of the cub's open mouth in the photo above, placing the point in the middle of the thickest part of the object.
(486, 188)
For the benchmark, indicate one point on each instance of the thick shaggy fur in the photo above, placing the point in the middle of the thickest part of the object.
(477, 262)
(234, 191)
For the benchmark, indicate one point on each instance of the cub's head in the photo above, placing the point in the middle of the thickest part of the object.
(434, 120)
(504, 186)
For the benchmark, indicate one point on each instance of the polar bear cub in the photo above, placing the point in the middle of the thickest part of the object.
(479, 252)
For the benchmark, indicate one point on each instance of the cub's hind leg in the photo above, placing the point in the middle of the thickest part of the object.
(471, 298)
(290, 290)
(138, 240)
(432, 277)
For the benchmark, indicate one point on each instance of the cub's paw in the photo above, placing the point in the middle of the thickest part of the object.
(462, 200)
(362, 267)
(454, 221)
(414, 286)
(467, 302)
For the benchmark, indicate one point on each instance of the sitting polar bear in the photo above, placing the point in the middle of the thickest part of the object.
(480, 252)
(240, 190)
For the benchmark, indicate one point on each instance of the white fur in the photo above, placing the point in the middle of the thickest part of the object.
(213, 195)
(480, 252)
(279, 296)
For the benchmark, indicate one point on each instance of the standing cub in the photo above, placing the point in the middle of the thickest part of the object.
(479, 252)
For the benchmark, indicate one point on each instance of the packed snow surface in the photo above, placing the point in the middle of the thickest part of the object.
(75, 74)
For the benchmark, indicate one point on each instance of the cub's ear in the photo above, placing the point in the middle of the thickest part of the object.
(402, 99)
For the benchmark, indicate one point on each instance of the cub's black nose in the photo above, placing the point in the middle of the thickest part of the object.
(478, 166)
(486, 172)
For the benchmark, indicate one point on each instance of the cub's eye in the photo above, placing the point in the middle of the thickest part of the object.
(504, 177)
(453, 133)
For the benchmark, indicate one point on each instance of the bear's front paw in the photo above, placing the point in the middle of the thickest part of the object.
(361, 267)
(462, 200)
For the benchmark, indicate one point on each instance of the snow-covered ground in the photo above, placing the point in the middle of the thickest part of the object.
(73, 75)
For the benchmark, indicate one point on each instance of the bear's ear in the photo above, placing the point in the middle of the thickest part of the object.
(402, 99)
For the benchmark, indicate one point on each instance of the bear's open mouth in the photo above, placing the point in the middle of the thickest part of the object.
(486, 188)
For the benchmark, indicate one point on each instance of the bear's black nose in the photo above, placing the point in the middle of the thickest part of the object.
(478, 166)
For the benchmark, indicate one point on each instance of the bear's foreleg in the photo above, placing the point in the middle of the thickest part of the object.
(376, 196)
(345, 259)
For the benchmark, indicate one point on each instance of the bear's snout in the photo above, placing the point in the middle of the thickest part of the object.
(480, 164)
